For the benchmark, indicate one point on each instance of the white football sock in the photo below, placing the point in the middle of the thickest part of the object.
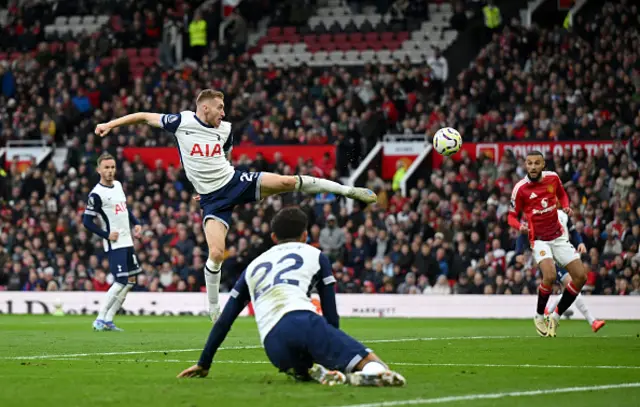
(374, 368)
(118, 302)
(313, 185)
(553, 303)
(212, 279)
(582, 307)
(111, 298)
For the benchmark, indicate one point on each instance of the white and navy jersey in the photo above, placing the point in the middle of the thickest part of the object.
(280, 281)
(564, 221)
(203, 150)
(110, 205)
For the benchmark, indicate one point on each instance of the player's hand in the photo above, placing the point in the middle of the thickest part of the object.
(113, 236)
(102, 129)
(137, 231)
(196, 197)
(524, 230)
(568, 211)
(582, 249)
(193, 371)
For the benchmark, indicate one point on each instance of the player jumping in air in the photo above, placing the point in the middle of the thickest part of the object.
(296, 339)
(574, 237)
(205, 143)
(108, 202)
(537, 195)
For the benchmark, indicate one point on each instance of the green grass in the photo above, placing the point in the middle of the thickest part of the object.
(439, 365)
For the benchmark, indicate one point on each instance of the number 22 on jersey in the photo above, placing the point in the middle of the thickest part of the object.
(270, 275)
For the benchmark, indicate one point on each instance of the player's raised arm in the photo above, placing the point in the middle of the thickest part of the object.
(152, 119)
(326, 292)
(575, 238)
(238, 299)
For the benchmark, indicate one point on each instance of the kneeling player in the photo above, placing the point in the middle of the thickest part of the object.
(563, 276)
(296, 339)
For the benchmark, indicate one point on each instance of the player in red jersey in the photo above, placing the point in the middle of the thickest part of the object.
(537, 195)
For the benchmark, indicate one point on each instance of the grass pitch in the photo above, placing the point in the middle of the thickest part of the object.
(49, 361)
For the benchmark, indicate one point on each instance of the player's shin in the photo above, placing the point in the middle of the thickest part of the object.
(112, 296)
(568, 297)
(117, 304)
(313, 185)
(212, 279)
(582, 307)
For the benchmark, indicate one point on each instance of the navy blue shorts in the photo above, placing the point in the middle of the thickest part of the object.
(243, 188)
(561, 272)
(123, 264)
(302, 338)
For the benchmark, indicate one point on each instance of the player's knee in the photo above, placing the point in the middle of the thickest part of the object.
(216, 254)
(287, 183)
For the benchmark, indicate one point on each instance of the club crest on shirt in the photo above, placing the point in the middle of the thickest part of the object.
(550, 189)
(542, 252)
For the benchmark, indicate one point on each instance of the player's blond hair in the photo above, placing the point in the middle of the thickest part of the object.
(209, 94)
(105, 156)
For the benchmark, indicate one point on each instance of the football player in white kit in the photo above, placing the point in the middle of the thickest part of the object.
(108, 202)
(296, 339)
(205, 143)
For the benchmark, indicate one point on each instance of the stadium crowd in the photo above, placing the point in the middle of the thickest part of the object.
(448, 236)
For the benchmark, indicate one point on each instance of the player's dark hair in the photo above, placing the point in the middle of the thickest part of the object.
(104, 157)
(289, 224)
(535, 152)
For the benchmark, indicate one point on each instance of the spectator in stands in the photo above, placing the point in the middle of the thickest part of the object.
(332, 238)
(197, 37)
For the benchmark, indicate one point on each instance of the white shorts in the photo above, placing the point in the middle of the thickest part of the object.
(560, 250)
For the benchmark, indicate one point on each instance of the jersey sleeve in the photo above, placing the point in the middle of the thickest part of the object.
(327, 293)
(516, 208)
(94, 205)
(561, 194)
(574, 237)
(228, 145)
(238, 299)
(171, 121)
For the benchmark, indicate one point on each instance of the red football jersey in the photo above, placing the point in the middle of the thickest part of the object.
(538, 200)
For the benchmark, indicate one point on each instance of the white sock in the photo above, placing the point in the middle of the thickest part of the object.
(374, 368)
(582, 307)
(212, 279)
(553, 303)
(111, 298)
(118, 302)
(313, 185)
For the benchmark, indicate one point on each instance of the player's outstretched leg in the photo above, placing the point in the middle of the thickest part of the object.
(578, 277)
(271, 184)
(595, 324)
(112, 295)
(548, 269)
(215, 233)
(117, 304)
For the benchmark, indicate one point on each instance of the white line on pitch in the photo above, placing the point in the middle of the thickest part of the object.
(142, 352)
(524, 366)
(472, 397)
(260, 362)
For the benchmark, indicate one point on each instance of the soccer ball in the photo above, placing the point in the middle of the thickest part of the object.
(447, 141)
